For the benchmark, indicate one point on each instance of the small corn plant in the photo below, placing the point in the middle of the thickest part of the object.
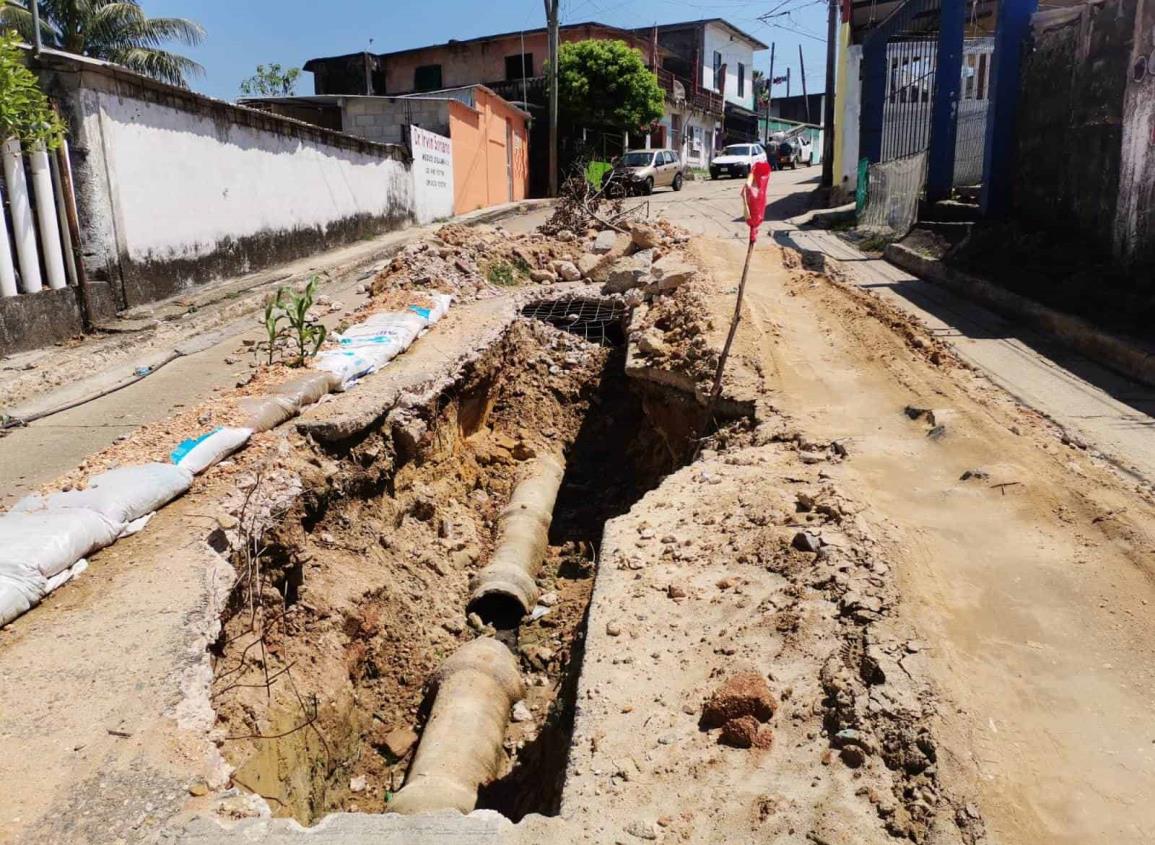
(305, 332)
(274, 331)
(288, 323)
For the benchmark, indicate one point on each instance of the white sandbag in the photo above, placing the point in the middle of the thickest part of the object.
(127, 493)
(137, 525)
(199, 453)
(263, 413)
(48, 542)
(61, 578)
(348, 365)
(19, 593)
(441, 302)
(384, 336)
(305, 389)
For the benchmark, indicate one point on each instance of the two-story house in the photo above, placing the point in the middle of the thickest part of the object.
(704, 67)
(719, 57)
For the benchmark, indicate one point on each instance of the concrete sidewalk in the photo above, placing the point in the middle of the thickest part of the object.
(191, 345)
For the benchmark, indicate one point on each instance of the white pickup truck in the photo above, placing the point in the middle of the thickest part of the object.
(736, 160)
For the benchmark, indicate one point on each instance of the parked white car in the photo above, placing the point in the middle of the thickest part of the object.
(736, 160)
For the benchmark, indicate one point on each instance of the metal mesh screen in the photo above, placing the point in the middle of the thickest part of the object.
(597, 320)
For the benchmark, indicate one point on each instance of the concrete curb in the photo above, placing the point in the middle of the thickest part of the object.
(1125, 356)
(240, 301)
(824, 218)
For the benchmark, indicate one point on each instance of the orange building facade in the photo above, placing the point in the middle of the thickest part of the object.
(490, 151)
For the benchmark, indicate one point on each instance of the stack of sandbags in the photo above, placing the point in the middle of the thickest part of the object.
(44, 540)
(370, 345)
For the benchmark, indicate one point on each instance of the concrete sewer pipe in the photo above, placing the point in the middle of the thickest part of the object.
(461, 746)
(506, 589)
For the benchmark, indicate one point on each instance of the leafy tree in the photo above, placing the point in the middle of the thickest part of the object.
(116, 31)
(607, 83)
(24, 110)
(271, 81)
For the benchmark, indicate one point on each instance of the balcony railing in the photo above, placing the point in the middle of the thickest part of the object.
(531, 90)
(677, 90)
(681, 90)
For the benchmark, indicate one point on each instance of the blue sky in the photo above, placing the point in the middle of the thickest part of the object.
(243, 33)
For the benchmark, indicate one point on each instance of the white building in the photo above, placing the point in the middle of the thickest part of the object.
(707, 69)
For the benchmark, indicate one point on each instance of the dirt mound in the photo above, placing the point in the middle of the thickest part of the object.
(672, 334)
(745, 694)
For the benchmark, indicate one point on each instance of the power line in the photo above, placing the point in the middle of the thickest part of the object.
(796, 31)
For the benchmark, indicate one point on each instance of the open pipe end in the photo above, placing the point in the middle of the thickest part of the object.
(502, 595)
(498, 608)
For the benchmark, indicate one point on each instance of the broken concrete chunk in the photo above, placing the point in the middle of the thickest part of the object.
(629, 272)
(543, 276)
(399, 742)
(587, 263)
(652, 343)
(644, 236)
(671, 272)
(568, 271)
(604, 241)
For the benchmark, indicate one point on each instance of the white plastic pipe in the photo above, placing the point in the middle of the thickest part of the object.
(7, 268)
(46, 218)
(22, 223)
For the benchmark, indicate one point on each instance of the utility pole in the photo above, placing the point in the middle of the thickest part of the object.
(805, 97)
(552, 23)
(36, 42)
(769, 93)
(828, 101)
(787, 82)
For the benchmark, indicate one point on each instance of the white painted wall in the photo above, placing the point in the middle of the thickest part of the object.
(847, 123)
(733, 50)
(695, 145)
(185, 182)
(432, 175)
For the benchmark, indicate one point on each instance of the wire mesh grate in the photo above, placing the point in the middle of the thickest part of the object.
(596, 320)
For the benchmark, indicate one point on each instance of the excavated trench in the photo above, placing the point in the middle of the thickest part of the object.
(355, 591)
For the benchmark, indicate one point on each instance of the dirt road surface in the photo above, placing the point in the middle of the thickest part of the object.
(1032, 598)
(947, 594)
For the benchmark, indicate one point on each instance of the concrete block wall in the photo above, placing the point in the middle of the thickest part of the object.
(384, 119)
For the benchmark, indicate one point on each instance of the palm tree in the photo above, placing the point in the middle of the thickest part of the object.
(117, 31)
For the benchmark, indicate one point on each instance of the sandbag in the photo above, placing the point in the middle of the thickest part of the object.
(128, 493)
(20, 593)
(306, 389)
(199, 453)
(48, 542)
(441, 302)
(347, 365)
(263, 413)
(62, 578)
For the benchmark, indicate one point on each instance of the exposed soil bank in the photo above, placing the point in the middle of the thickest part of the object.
(351, 597)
